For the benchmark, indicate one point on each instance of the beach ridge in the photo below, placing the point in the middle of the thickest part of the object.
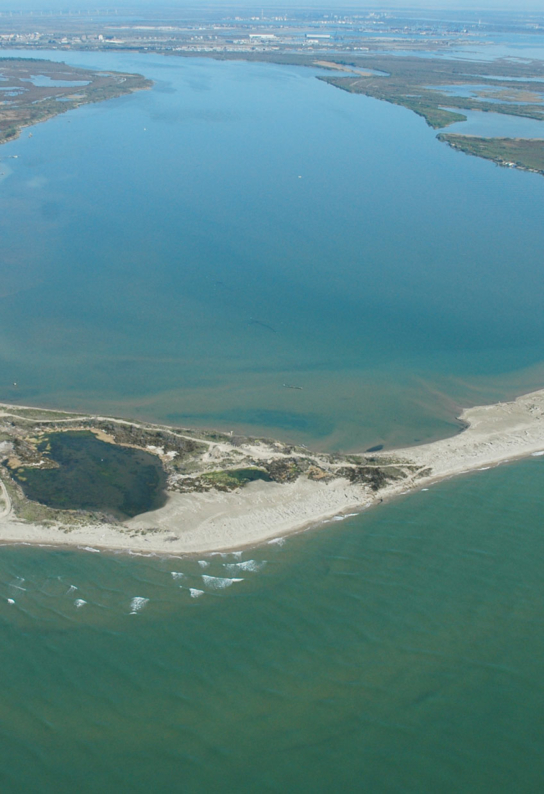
(205, 512)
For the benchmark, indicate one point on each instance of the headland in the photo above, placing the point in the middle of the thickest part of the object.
(35, 90)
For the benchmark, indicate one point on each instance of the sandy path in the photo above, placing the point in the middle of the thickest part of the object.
(193, 523)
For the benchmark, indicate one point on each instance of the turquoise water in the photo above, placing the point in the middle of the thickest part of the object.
(179, 255)
(396, 651)
(243, 226)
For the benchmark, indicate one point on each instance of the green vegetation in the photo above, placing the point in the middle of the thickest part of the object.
(427, 86)
(527, 154)
(427, 106)
(419, 83)
(74, 470)
(228, 480)
(77, 471)
(25, 103)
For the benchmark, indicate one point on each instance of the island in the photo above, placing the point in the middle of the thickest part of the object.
(34, 90)
(98, 482)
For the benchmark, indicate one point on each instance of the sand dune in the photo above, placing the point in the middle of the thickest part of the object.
(193, 523)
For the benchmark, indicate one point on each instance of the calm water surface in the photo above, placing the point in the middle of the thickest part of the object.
(179, 255)
(245, 226)
(396, 651)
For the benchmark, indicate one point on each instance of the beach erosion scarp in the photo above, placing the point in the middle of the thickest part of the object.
(209, 518)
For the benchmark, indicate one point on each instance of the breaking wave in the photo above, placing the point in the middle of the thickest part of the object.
(137, 604)
(247, 565)
(218, 582)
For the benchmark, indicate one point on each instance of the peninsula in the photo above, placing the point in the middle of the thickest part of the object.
(34, 90)
(104, 483)
(526, 154)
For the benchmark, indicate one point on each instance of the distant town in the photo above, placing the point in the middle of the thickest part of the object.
(214, 30)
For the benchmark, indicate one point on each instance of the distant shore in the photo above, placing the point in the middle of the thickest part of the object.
(211, 520)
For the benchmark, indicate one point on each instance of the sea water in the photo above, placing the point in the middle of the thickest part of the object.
(184, 255)
(395, 651)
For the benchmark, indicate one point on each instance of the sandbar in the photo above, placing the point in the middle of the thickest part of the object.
(205, 512)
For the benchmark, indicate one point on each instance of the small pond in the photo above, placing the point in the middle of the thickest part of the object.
(94, 475)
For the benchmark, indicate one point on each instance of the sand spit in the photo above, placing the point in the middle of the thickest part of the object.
(218, 520)
(494, 434)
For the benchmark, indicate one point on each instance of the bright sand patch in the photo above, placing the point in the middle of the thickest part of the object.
(214, 521)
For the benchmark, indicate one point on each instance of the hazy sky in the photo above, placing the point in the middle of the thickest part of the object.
(504, 5)
(473, 5)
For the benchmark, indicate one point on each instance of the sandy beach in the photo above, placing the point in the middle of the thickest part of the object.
(260, 512)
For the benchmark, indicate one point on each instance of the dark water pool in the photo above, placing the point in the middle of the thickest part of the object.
(94, 475)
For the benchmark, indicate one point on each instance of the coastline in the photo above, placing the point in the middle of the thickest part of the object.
(260, 512)
(38, 104)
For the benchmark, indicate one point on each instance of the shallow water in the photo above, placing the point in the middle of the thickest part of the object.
(396, 651)
(179, 269)
(490, 125)
(244, 227)
(488, 93)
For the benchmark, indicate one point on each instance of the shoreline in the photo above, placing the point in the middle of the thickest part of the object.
(215, 520)
(40, 104)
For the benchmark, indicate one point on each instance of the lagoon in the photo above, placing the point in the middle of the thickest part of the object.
(180, 254)
(242, 226)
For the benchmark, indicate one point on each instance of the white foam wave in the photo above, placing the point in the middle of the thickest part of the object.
(195, 593)
(537, 454)
(218, 582)
(276, 541)
(247, 565)
(79, 602)
(137, 604)
(204, 563)
(341, 517)
(177, 574)
(89, 548)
